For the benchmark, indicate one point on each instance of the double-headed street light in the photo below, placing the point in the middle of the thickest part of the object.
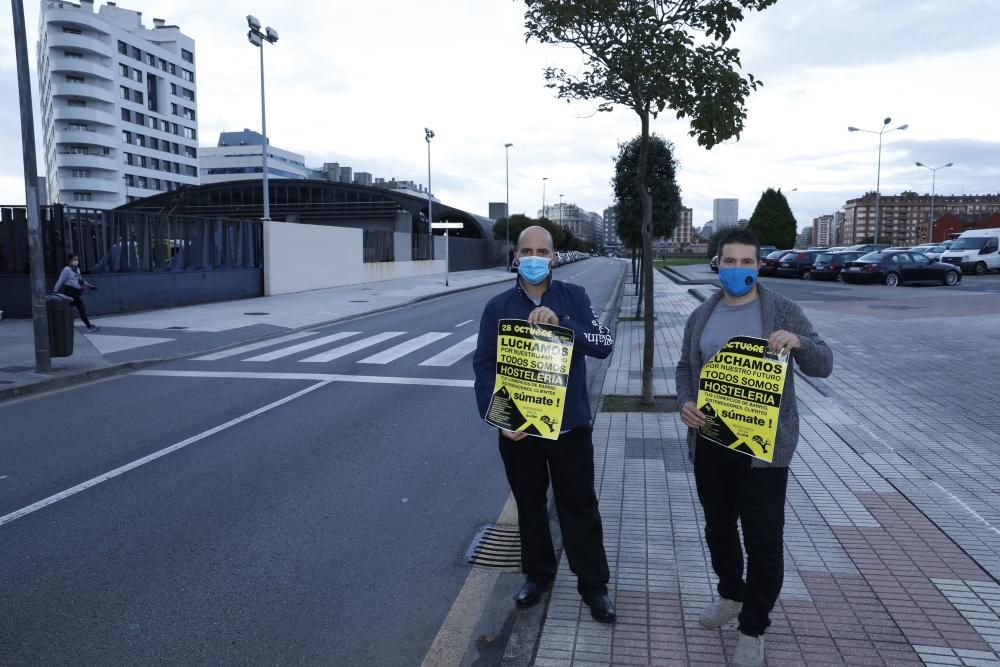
(506, 150)
(934, 171)
(545, 213)
(428, 135)
(257, 38)
(878, 173)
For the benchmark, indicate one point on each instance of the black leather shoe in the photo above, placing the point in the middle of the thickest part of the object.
(531, 593)
(601, 608)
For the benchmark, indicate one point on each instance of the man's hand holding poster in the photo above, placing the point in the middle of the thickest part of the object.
(739, 393)
(533, 363)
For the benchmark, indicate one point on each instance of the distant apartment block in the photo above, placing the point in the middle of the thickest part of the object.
(239, 156)
(822, 231)
(118, 104)
(611, 239)
(725, 213)
(684, 231)
(597, 224)
(575, 219)
(805, 238)
(905, 219)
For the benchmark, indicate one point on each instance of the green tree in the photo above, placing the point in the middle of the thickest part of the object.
(648, 55)
(772, 220)
(713, 242)
(518, 222)
(661, 181)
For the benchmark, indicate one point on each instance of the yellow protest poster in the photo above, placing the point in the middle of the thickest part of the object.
(532, 372)
(739, 393)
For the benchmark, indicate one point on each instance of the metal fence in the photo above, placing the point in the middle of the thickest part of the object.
(423, 247)
(126, 242)
(379, 246)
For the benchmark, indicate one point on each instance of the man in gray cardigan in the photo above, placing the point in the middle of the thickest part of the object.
(733, 486)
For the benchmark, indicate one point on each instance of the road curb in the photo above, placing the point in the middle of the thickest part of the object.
(679, 279)
(89, 375)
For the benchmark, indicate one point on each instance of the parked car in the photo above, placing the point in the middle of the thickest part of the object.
(934, 254)
(828, 265)
(797, 263)
(896, 267)
(766, 250)
(769, 265)
(867, 247)
(976, 250)
(714, 264)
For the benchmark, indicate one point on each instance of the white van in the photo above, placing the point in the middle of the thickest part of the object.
(977, 250)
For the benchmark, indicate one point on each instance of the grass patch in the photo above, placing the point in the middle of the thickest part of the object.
(621, 403)
(680, 261)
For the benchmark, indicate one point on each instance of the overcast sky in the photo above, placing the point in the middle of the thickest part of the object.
(356, 83)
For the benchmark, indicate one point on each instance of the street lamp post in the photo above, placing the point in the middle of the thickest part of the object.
(545, 212)
(506, 158)
(878, 172)
(560, 210)
(428, 135)
(257, 38)
(36, 242)
(934, 171)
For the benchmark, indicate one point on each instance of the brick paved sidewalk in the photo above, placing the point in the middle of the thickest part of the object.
(891, 549)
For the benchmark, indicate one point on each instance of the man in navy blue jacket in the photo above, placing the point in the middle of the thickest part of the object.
(569, 461)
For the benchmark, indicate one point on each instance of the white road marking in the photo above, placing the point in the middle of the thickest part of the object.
(453, 353)
(351, 348)
(324, 377)
(62, 495)
(404, 348)
(232, 352)
(308, 345)
(462, 324)
(107, 343)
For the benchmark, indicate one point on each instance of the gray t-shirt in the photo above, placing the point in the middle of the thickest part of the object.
(725, 322)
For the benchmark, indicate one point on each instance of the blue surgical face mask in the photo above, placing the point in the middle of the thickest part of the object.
(737, 282)
(533, 269)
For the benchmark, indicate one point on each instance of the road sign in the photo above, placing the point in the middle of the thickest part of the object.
(447, 225)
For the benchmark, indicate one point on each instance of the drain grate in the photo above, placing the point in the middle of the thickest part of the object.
(256, 313)
(495, 546)
(357, 301)
(178, 328)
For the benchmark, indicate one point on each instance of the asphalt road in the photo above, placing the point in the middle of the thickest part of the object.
(256, 507)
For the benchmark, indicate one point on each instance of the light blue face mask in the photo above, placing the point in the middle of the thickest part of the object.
(737, 282)
(533, 269)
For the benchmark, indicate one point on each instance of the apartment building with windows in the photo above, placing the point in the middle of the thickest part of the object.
(118, 104)
(822, 231)
(610, 217)
(240, 156)
(905, 219)
(725, 213)
(684, 231)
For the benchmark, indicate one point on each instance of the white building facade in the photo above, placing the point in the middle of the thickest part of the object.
(725, 213)
(240, 156)
(118, 104)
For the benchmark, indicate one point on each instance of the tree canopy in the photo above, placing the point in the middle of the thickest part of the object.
(661, 180)
(561, 237)
(772, 220)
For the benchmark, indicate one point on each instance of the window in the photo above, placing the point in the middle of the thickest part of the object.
(127, 158)
(137, 96)
(78, 150)
(173, 89)
(187, 56)
(126, 137)
(173, 69)
(123, 69)
(190, 151)
(152, 123)
(73, 54)
(137, 75)
(154, 143)
(187, 75)
(140, 119)
(174, 109)
(142, 182)
(189, 133)
(125, 92)
(151, 60)
(187, 94)
(82, 196)
(81, 173)
(79, 127)
(122, 48)
(140, 140)
(72, 31)
(154, 163)
(141, 161)
(189, 113)
(77, 103)
(173, 129)
(163, 64)
(190, 170)
(137, 53)
(154, 184)
(74, 79)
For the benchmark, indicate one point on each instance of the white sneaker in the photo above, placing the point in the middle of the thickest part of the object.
(719, 613)
(749, 651)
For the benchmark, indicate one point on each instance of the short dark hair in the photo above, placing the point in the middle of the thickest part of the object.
(742, 236)
(70, 257)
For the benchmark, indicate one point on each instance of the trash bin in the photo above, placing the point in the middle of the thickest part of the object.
(60, 311)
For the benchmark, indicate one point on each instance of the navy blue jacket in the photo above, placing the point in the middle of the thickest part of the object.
(572, 305)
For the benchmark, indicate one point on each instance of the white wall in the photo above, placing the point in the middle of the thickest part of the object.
(298, 258)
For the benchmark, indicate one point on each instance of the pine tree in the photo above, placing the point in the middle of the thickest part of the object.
(772, 220)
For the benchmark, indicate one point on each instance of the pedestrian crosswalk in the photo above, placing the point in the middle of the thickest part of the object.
(430, 349)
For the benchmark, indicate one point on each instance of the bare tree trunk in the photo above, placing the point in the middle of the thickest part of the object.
(647, 263)
(635, 274)
(638, 292)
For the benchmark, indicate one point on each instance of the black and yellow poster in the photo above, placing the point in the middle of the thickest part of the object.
(739, 393)
(532, 372)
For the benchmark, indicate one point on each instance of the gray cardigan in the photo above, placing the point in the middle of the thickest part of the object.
(814, 357)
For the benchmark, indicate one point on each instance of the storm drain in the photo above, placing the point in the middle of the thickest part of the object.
(256, 313)
(496, 546)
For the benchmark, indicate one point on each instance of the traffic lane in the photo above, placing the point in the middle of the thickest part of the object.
(55, 441)
(329, 532)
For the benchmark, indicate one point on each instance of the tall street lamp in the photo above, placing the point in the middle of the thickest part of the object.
(506, 158)
(428, 135)
(257, 38)
(934, 171)
(878, 173)
(560, 210)
(545, 213)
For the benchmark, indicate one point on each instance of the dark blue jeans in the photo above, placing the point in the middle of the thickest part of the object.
(730, 491)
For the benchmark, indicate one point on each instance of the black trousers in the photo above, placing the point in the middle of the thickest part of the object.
(76, 295)
(569, 462)
(730, 490)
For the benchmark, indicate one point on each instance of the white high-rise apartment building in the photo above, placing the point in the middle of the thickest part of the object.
(725, 213)
(118, 104)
